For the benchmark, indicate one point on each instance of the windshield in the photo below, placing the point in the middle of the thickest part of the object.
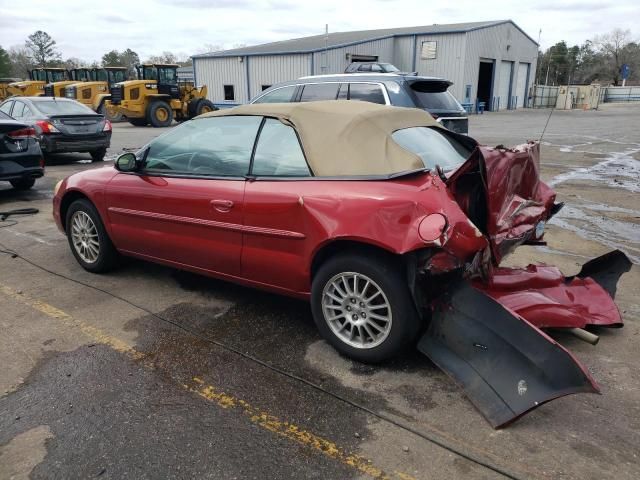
(149, 73)
(434, 96)
(168, 76)
(39, 75)
(58, 76)
(53, 107)
(433, 146)
(101, 75)
(116, 76)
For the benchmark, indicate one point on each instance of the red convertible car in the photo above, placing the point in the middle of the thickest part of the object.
(392, 226)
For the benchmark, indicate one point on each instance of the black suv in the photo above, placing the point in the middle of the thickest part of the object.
(427, 93)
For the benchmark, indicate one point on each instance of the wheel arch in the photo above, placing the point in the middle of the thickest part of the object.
(340, 246)
(66, 201)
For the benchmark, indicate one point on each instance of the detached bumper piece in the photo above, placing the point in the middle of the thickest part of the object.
(547, 299)
(487, 337)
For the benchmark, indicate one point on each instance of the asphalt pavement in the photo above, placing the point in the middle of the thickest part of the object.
(149, 372)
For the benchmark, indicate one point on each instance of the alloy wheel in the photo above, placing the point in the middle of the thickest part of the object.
(84, 235)
(356, 310)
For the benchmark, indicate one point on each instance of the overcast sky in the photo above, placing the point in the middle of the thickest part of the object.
(88, 29)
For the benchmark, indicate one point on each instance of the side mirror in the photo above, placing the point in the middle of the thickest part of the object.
(127, 162)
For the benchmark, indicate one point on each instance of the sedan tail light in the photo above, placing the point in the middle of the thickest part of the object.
(22, 133)
(46, 127)
(107, 126)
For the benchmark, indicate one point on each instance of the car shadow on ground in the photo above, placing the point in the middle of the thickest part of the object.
(274, 329)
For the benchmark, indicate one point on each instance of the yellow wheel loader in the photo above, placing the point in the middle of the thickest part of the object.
(75, 75)
(38, 78)
(4, 83)
(157, 98)
(96, 92)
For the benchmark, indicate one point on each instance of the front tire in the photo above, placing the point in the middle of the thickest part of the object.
(362, 306)
(88, 238)
(23, 183)
(159, 114)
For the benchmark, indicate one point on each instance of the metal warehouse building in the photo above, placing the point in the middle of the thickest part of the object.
(494, 61)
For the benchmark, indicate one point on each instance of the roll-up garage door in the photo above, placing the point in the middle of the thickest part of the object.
(521, 85)
(504, 84)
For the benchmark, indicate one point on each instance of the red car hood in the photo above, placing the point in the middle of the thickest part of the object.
(501, 192)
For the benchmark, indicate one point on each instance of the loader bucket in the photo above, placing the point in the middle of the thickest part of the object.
(506, 365)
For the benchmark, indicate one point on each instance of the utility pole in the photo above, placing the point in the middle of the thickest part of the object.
(325, 65)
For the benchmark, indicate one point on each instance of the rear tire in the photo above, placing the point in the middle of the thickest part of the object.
(159, 114)
(23, 183)
(88, 238)
(103, 110)
(98, 155)
(138, 122)
(375, 320)
(201, 106)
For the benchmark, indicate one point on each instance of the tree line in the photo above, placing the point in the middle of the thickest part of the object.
(598, 60)
(40, 50)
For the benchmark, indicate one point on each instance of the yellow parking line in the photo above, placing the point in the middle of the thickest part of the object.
(214, 395)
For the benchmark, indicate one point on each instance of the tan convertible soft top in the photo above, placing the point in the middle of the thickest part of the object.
(344, 137)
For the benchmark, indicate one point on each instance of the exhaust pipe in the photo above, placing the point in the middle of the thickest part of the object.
(584, 335)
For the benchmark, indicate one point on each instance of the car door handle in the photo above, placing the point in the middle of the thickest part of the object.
(222, 206)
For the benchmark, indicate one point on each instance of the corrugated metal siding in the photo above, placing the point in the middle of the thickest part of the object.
(403, 53)
(449, 61)
(336, 59)
(491, 43)
(271, 69)
(217, 72)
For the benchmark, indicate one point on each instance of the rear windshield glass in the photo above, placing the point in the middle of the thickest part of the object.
(432, 146)
(52, 107)
(434, 96)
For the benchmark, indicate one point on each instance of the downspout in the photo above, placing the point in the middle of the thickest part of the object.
(248, 79)
(312, 65)
(415, 48)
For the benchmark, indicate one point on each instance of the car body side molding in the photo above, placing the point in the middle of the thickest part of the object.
(272, 232)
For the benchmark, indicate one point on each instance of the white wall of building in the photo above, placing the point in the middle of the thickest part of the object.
(501, 43)
(449, 61)
(272, 69)
(457, 59)
(217, 72)
(336, 60)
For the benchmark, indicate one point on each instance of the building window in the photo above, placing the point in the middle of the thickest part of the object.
(229, 94)
(429, 50)
(264, 87)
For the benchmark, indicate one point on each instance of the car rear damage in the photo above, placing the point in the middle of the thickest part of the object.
(485, 320)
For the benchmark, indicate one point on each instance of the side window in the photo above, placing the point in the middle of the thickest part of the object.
(217, 146)
(364, 68)
(280, 95)
(366, 92)
(376, 68)
(319, 91)
(6, 107)
(278, 152)
(27, 112)
(18, 110)
(229, 94)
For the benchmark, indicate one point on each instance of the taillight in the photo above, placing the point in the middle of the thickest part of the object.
(107, 126)
(46, 127)
(432, 227)
(22, 133)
